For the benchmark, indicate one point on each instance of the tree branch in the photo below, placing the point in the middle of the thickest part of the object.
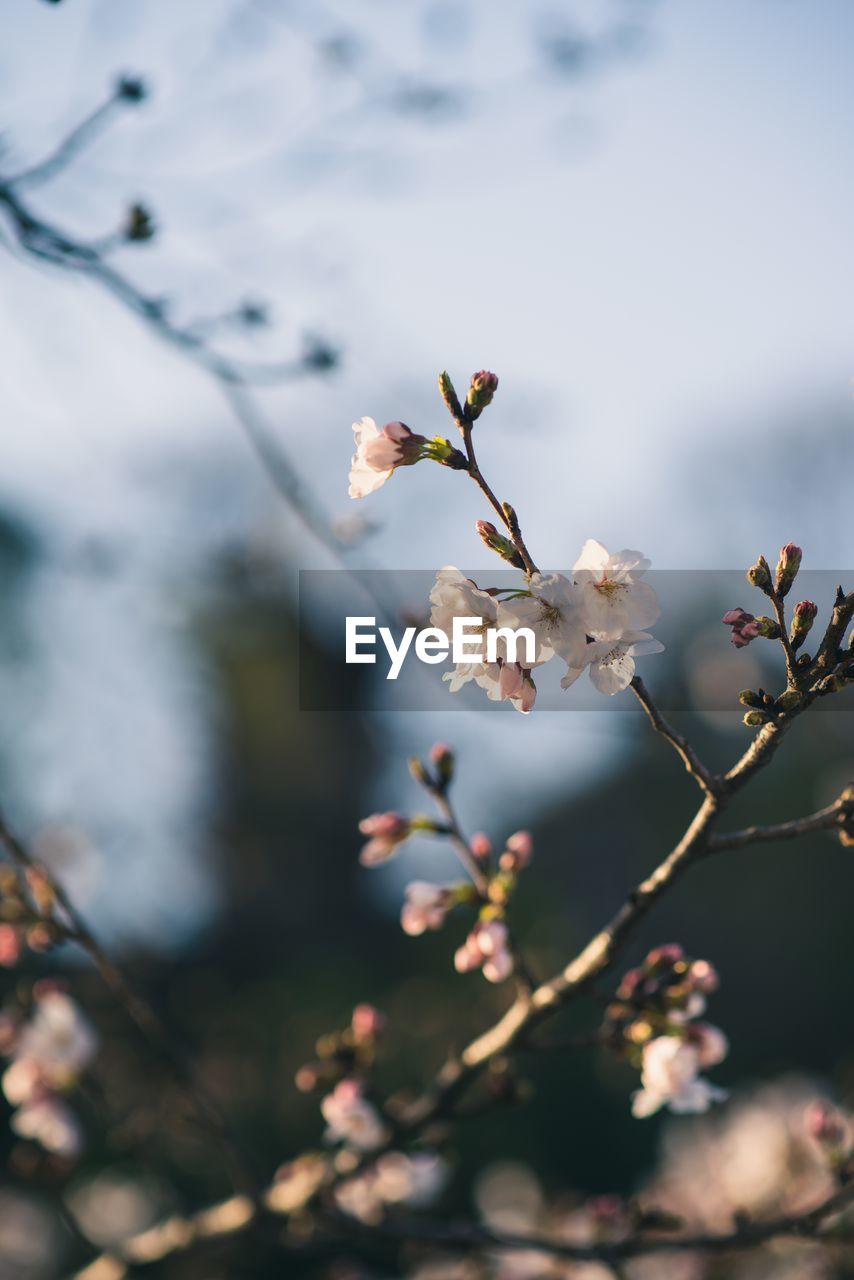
(704, 778)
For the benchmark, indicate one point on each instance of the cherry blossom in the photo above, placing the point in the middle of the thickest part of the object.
(486, 948)
(396, 1178)
(386, 831)
(670, 1077)
(378, 451)
(426, 907)
(612, 663)
(54, 1046)
(50, 1122)
(615, 600)
(351, 1118)
(554, 611)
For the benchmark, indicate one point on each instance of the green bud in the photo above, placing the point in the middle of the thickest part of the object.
(759, 575)
(419, 772)
(449, 395)
(750, 699)
(789, 700)
(755, 718)
(481, 390)
(499, 544)
(768, 628)
(441, 450)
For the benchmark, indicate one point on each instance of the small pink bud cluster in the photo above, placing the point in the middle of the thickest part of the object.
(387, 831)
(48, 1053)
(657, 1004)
(518, 852)
(486, 948)
(481, 390)
(746, 628)
(426, 906)
(344, 1054)
(351, 1118)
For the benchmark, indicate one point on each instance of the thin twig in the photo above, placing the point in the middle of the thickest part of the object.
(822, 820)
(704, 778)
(509, 521)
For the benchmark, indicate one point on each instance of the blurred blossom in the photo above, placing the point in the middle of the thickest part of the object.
(113, 1206)
(30, 1238)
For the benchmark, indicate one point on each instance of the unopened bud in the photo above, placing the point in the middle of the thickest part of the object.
(443, 758)
(367, 1022)
(449, 395)
(481, 390)
(803, 617)
(748, 698)
(767, 628)
(131, 89)
(419, 772)
(481, 846)
(789, 700)
(498, 543)
(759, 575)
(787, 568)
(755, 718)
(139, 224)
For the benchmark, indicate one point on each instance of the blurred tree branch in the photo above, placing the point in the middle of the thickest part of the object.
(46, 241)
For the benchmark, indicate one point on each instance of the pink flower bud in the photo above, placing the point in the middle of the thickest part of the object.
(367, 1022)
(10, 946)
(704, 976)
(787, 568)
(386, 831)
(480, 845)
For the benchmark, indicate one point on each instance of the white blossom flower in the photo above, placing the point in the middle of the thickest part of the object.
(554, 612)
(351, 1118)
(425, 907)
(50, 1122)
(414, 1180)
(612, 662)
(670, 1077)
(486, 948)
(396, 1178)
(456, 596)
(378, 451)
(614, 599)
(508, 681)
(53, 1047)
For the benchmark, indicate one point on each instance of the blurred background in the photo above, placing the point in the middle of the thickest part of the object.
(637, 213)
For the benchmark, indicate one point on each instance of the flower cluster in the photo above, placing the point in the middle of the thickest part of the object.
(48, 1054)
(346, 1054)
(493, 879)
(653, 1021)
(395, 1178)
(593, 620)
(26, 915)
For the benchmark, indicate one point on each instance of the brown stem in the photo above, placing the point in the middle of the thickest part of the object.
(704, 778)
(510, 522)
